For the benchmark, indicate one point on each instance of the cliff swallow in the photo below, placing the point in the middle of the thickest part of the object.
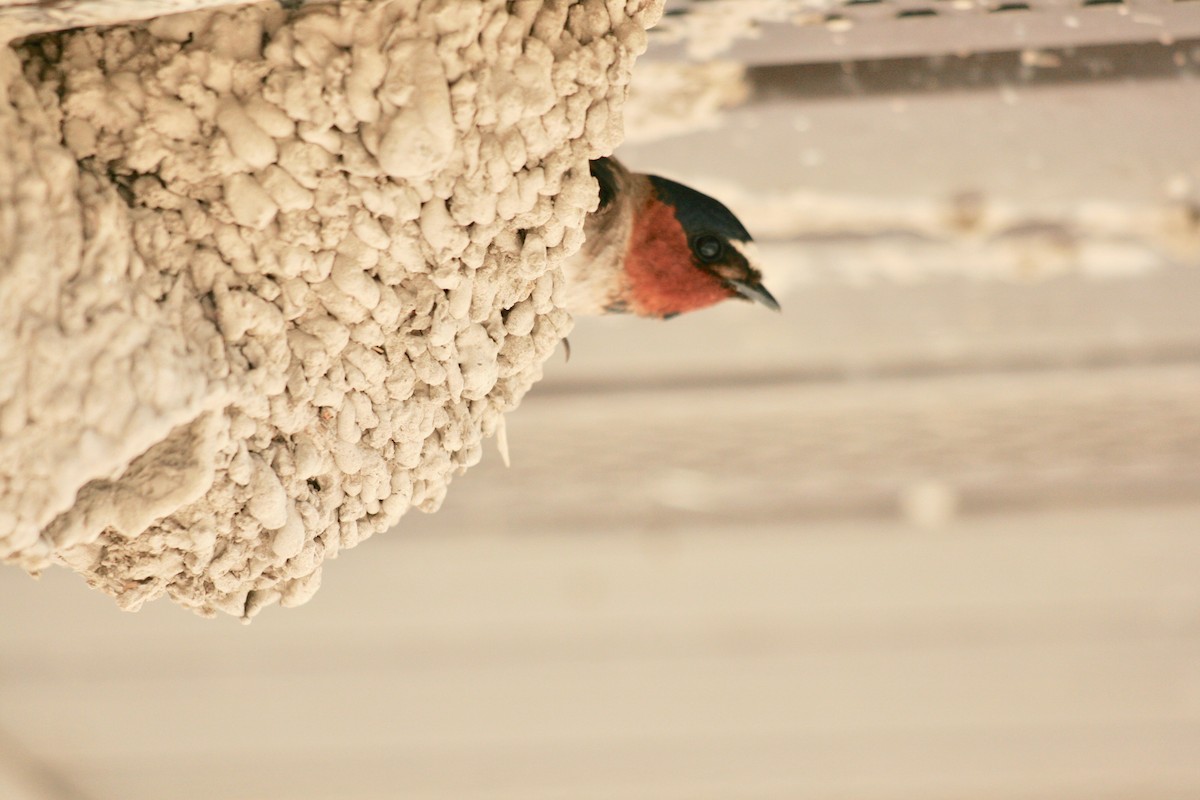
(656, 248)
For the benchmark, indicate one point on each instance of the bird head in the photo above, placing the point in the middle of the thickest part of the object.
(688, 251)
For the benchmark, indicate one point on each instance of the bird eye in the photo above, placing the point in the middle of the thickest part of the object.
(709, 248)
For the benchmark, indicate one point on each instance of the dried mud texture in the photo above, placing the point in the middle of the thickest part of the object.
(271, 277)
(21, 18)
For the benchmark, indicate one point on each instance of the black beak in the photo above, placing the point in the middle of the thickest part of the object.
(756, 292)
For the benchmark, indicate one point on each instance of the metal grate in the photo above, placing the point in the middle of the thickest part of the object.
(804, 31)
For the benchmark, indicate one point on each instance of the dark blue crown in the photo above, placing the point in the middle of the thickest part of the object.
(697, 212)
